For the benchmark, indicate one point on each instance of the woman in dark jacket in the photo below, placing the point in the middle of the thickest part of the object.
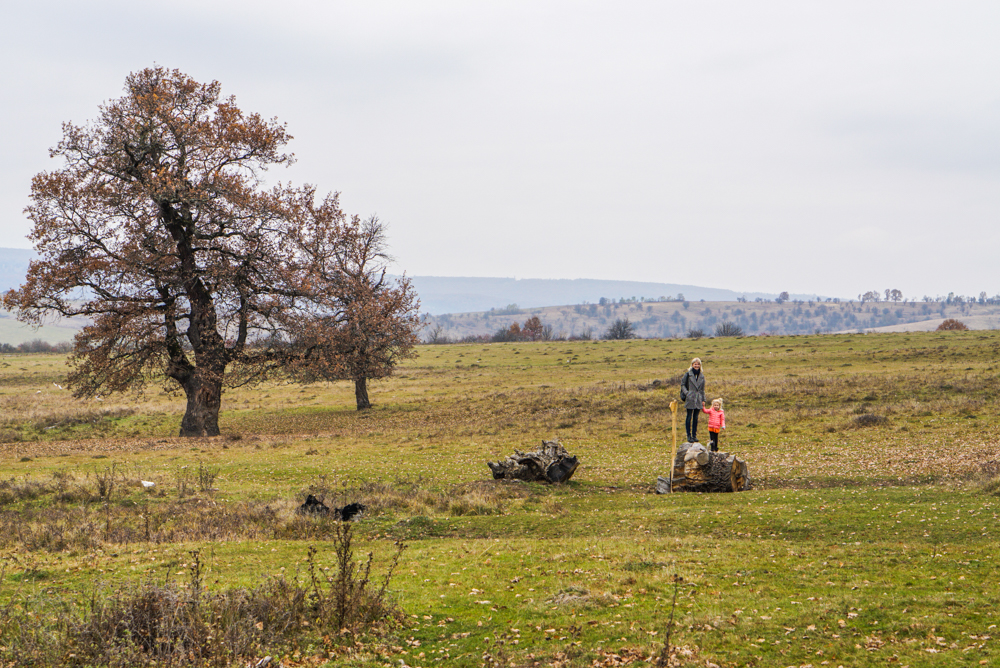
(693, 396)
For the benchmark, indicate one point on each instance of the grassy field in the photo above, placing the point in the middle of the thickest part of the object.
(869, 539)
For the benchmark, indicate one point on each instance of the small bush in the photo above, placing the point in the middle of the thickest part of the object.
(952, 325)
(9, 436)
(620, 329)
(993, 486)
(12, 491)
(989, 476)
(172, 624)
(105, 482)
(437, 336)
(870, 420)
(728, 328)
(207, 476)
(695, 333)
(507, 334)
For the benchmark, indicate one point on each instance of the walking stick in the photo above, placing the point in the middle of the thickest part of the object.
(673, 451)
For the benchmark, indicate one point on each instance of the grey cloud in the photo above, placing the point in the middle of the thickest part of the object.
(936, 143)
(577, 139)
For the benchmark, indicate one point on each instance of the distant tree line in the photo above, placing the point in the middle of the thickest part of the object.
(532, 330)
(871, 310)
(35, 346)
(509, 309)
(951, 299)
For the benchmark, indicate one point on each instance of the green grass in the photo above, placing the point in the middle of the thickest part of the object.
(860, 545)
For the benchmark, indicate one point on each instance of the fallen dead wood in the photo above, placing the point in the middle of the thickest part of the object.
(550, 463)
(697, 469)
(315, 506)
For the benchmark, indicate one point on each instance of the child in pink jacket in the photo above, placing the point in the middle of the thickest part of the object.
(716, 422)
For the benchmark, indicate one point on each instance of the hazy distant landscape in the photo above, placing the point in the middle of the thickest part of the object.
(679, 319)
(450, 294)
(460, 307)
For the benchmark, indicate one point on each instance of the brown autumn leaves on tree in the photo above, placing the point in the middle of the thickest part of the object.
(158, 229)
(377, 324)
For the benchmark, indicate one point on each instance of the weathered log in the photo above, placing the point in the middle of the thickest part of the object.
(550, 463)
(696, 469)
(315, 506)
(349, 512)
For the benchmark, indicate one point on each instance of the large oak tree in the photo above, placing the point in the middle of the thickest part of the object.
(159, 230)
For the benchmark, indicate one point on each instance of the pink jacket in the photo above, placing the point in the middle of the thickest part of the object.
(716, 419)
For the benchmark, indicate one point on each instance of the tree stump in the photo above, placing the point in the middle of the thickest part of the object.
(315, 506)
(697, 469)
(550, 463)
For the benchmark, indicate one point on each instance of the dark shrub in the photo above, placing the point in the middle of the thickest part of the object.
(620, 329)
(728, 328)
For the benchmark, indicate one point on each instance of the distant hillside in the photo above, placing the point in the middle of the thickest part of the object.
(13, 268)
(461, 307)
(440, 294)
(447, 294)
(60, 331)
(677, 319)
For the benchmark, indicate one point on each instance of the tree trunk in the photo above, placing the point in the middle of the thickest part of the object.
(699, 470)
(361, 393)
(204, 398)
(550, 463)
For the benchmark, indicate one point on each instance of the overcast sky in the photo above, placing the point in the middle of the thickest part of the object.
(821, 147)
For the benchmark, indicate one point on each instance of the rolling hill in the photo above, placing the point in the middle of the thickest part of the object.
(677, 319)
(462, 307)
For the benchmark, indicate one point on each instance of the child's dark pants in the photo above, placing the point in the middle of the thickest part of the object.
(713, 437)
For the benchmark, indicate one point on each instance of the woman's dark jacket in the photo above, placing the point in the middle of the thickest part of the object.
(693, 389)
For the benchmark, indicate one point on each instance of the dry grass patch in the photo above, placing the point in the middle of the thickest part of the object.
(328, 608)
(485, 497)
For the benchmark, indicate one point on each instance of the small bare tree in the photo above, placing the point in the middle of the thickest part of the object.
(437, 335)
(620, 329)
(728, 328)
